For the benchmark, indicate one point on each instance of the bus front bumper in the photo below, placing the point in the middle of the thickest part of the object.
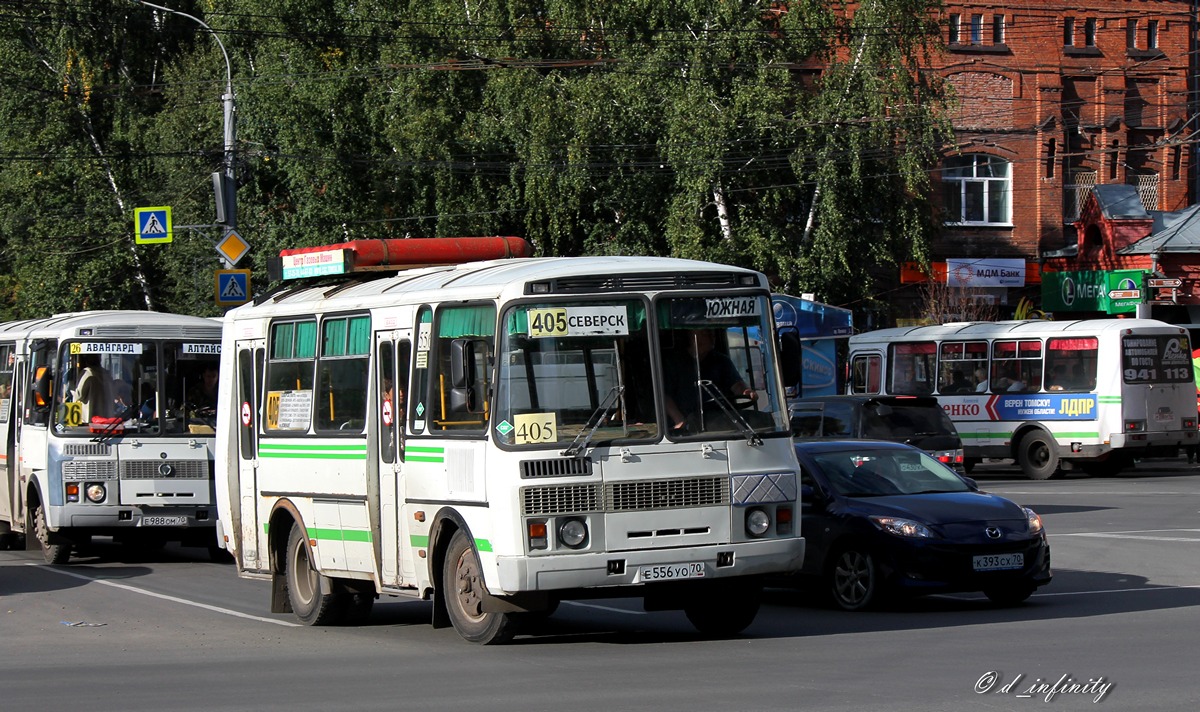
(633, 568)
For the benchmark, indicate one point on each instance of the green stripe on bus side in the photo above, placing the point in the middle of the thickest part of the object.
(421, 541)
(1109, 399)
(331, 534)
(339, 534)
(320, 452)
(424, 453)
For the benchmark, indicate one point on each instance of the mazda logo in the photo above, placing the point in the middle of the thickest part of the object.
(992, 532)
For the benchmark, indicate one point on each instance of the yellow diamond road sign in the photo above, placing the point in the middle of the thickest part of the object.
(232, 247)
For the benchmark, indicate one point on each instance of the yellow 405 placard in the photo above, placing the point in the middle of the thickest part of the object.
(544, 323)
(534, 428)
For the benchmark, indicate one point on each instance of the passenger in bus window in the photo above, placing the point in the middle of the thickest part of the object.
(94, 389)
(958, 383)
(1058, 380)
(981, 381)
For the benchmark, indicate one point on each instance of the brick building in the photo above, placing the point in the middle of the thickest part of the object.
(1052, 100)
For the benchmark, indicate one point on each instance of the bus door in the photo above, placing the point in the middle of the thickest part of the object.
(243, 498)
(10, 507)
(393, 351)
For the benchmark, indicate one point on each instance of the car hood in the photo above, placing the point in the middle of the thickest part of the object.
(943, 509)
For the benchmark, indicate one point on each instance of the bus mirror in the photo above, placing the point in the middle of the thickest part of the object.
(462, 400)
(462, 364)
(42, 388)
(791, 359)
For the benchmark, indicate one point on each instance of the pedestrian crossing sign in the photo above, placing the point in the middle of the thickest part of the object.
(232, 287)
(152, 226)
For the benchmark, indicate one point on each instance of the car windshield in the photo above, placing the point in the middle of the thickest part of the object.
(880, 472)
(893, 421)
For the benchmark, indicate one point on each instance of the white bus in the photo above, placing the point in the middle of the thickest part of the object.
(493, 436)
(1091, 394)
(105, 432)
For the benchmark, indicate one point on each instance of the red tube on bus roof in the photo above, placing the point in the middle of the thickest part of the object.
(425, 250)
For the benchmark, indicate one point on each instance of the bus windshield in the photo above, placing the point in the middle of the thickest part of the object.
(584, 371)
(146, 387)
(568, 368)
(718, 371)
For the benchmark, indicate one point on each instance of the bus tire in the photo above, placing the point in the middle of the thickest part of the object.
(54, 550)
(1037, 456)
(464, 592)
(725, 610)
(314, 597)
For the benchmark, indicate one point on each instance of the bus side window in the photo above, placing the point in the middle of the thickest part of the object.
(864, 376)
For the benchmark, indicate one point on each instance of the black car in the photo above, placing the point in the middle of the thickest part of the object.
(883, 518)
(916, 420)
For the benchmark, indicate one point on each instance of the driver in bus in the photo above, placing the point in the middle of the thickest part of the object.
(701, 362)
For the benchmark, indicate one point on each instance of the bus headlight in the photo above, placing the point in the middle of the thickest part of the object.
(757, 522)
(573, 533)
(96, 492)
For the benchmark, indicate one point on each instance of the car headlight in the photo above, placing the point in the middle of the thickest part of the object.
(903, 527)
(1035, 521)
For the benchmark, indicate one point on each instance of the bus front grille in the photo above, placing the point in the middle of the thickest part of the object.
(560, 499)
(89, 470)
(666, 494)
(164, 469)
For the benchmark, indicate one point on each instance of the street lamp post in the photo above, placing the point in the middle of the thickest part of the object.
(224, 186)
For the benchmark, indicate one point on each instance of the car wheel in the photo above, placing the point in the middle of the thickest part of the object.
(854, 580)
(1037, 455)
(1008, 595)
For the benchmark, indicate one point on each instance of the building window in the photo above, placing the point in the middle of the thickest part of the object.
(1075, 193)
(976, 29)
(1147, 188)
(954, 25)
(977, 190)
(998, 29)
(1068, 32)
(1131, 28)
(1089, 32)
(1152, 34)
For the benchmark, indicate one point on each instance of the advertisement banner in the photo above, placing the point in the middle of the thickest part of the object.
(1112, 292)
(985, 272)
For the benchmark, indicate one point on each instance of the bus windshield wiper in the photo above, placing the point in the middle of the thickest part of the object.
(752, 437)
(580, 443)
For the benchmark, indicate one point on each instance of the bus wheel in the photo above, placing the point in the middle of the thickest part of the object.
(313, 596)
(464, 592)
(1037, 456)
(724, 610)
(53, 551)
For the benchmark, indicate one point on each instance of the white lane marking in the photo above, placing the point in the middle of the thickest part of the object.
(1136, 535)
(605, 608)
(173, 599)
(979, 597)
(1118, 590)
